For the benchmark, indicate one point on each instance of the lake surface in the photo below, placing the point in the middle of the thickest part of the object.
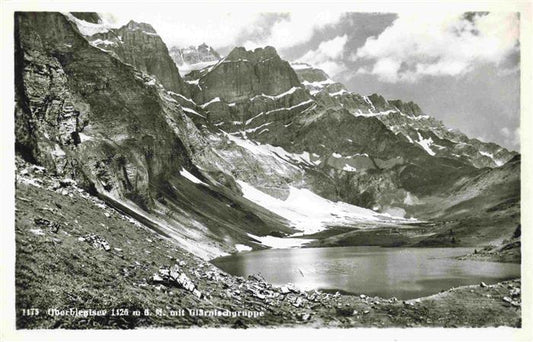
(404, 273)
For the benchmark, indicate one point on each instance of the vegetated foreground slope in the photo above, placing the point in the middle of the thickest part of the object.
(74, 252)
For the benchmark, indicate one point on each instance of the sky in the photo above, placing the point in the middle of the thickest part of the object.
(462, 68)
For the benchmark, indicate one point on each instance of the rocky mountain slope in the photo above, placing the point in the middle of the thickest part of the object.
(215, 158)
(86, 115)
(405, 118)
(363, 150)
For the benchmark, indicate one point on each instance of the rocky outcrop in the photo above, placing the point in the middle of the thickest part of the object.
(193, 54)
(83, 105)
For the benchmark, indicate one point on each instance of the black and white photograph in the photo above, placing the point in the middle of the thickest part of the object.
(179, 166)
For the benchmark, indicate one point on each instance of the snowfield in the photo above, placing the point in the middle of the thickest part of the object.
(279, 243)
(311, 213)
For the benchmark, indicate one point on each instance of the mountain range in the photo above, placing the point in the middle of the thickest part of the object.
(241, 151)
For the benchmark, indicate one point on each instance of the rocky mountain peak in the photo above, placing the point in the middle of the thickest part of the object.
(409, 108)
(139, 45)
(206, 49)
(133, 25)
(379, 102)
(240, 53)
(245, 73)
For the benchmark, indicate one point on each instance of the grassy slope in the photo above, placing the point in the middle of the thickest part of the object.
(57, 270)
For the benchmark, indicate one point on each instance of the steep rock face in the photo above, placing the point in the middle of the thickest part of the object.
(243, 74)
(247, 72)
(139, 44)
(74, 93)
(364, 162)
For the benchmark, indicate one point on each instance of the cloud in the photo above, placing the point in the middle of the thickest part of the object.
(511, 138)
(438, 44)
(183, 26)
(292, 29)
(328, 56)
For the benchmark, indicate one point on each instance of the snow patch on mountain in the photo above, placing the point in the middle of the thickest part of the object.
(279, 96)
(191, 177)
(106, 42)
(425, 143)
(275, 152)
(349, 168)
(491, 156)
(243, 248)
(279, 243)
(84, 137)
(192, 111)
(86, 28)
(216, 99)
(185, 68)
(300, 66)
(338, 93)
(279, 110)
(309, 212)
